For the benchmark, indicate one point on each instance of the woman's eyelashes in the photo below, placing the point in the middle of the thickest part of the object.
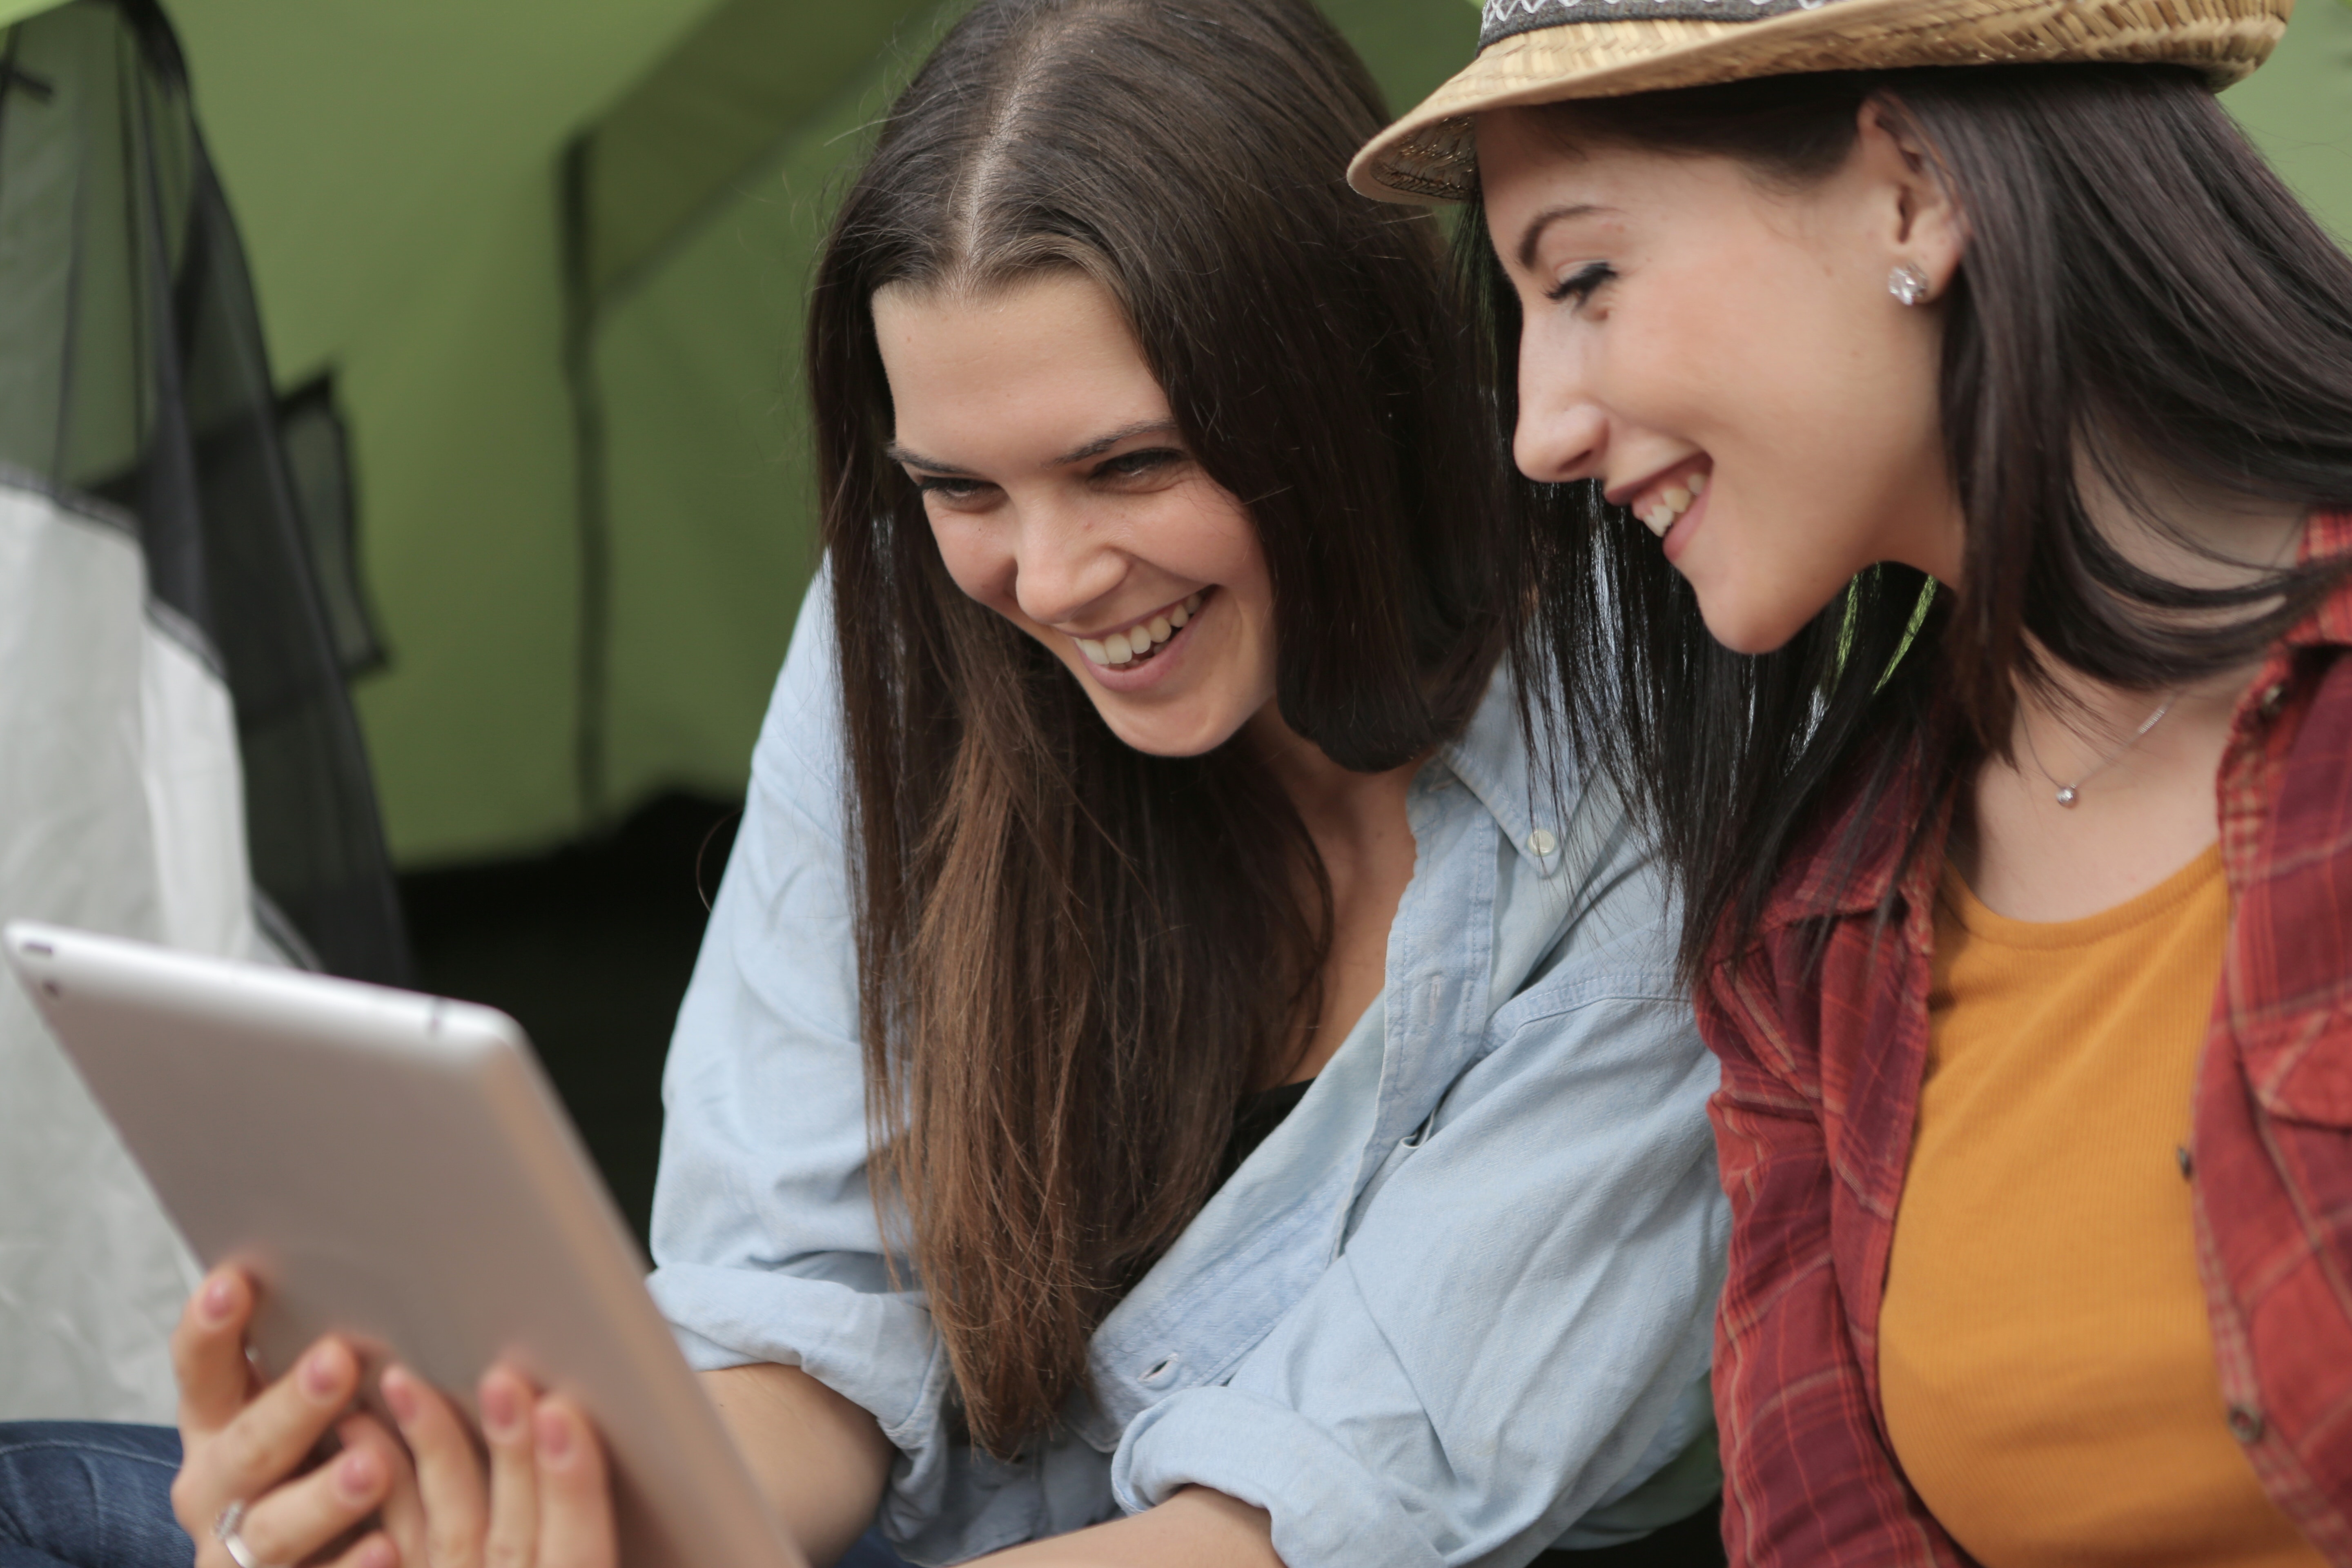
(951, 487)
(1145, 470)
(1152, 464)
(1580, 284)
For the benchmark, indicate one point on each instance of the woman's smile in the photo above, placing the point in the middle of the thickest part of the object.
(1138, 643)
(1669, 497)
(1156, 648)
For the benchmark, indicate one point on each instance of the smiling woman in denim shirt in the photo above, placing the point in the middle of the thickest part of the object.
(1169, 1078)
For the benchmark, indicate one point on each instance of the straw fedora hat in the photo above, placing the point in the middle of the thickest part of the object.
(1541, 51)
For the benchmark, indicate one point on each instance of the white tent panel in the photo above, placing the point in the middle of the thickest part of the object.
(122, 810)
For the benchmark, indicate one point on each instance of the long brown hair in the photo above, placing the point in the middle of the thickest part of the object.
(2140, 293)
(1074, 959)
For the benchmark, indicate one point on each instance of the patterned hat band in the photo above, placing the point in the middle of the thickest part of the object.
(1545, 51)
(1504, 18)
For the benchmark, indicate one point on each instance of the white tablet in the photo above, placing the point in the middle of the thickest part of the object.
(394, 1167)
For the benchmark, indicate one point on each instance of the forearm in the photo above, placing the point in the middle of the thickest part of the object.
(821, 1460)
(1197, 1528)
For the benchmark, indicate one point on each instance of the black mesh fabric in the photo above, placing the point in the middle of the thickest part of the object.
(317, 444)
(133, 372)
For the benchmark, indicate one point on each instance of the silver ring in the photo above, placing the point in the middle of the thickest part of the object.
(225, 1532)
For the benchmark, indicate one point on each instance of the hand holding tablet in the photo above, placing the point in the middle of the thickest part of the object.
(250, 1497)
(244, 1445)
(383, 1180)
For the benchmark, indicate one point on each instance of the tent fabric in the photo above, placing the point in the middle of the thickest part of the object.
(121, 810)
(131, 372)
(395, 168)
(178, 761)
(708, 182)
(637, 187)
(570, 633)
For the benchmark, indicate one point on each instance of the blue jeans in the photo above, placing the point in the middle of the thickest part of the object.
(80, 1494)
(77, 1494)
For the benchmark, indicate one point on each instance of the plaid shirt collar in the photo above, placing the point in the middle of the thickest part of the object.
(1856, 880)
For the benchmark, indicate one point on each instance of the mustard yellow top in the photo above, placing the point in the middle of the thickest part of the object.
(2044, 1353)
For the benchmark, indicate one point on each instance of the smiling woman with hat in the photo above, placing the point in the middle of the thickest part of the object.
(1939, 423)
(1939, 429)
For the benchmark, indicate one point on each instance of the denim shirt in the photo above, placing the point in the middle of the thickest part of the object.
(1456, 1308)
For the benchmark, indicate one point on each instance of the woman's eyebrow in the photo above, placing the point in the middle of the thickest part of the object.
(1533, 234)
(1094, 448)
(900, 455)
(1101, 444)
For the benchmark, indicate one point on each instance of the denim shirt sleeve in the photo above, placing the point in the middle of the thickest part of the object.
(1536, 1279)
(764, 1233)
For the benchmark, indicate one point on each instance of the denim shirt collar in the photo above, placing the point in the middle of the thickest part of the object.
(1492, 760)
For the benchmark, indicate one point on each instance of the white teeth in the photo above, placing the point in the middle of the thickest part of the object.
(1671, 503)
(1121, 648)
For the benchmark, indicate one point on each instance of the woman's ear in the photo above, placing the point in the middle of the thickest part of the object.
(1921, 226)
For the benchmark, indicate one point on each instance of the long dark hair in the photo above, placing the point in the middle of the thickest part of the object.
(2139, 291)
(1074, 960)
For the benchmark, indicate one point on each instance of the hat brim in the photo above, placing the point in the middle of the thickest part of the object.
(1430, 154)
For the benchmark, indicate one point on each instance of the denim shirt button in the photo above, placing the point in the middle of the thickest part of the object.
(1161, 1371)
(1542, 842)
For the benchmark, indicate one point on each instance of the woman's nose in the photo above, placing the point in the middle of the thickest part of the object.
(1562, 433)
(1061, 567)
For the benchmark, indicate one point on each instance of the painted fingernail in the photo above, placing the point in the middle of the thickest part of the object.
(501, 1407)
(356, 1473)
(219, 1295)
(401, 1394)
(554, 1437)
(322, 1373)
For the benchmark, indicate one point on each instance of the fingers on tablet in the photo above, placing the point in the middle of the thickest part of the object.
(575, 1518)
(546, 1503)
(374, 1549)
(507, 1406)
(208, 1353)
(266, 1441)
(302, 1518)
(448, 1473)
(399, 1513)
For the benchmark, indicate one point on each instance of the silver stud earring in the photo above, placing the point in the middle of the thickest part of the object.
(1907, 283)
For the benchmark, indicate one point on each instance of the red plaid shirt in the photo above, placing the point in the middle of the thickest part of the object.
(1821, 1071)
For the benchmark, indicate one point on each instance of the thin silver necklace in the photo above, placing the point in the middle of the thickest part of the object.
(2068, 793)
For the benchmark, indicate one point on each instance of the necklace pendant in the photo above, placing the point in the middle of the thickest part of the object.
(2067, 795)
